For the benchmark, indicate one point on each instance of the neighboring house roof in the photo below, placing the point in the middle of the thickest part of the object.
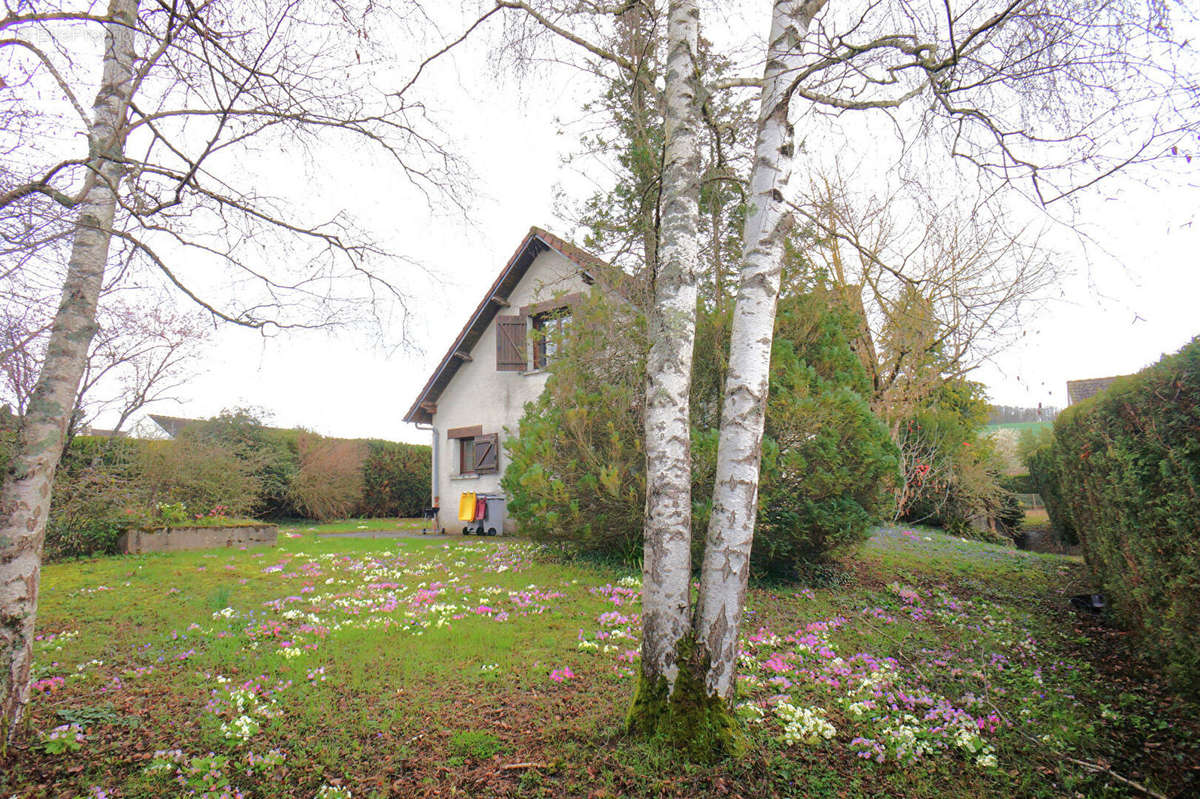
(172, 425)
(536, 242)
(1079, 390)
(100, 432)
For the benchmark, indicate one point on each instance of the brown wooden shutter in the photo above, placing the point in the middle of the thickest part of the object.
(487, 453)
(510, 343)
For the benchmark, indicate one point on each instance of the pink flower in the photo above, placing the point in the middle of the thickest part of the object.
(777, 664)
(563, 674)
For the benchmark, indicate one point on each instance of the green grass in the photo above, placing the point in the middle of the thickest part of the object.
(466, 667)
(1017, 426)
(304, 526)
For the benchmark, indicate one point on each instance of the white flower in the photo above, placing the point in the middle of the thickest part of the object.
(803, 725)
(243, 728)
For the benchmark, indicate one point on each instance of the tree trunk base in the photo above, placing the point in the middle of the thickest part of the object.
(700, 725)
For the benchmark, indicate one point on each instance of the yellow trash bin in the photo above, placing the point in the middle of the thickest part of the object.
(466, 507)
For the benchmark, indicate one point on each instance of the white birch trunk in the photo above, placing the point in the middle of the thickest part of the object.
(25, 496)
(667, 550)
(739, 451)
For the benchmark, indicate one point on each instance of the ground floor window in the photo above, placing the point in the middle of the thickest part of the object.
(478, 452)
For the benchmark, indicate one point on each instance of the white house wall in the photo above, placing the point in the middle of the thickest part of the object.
(479, 394)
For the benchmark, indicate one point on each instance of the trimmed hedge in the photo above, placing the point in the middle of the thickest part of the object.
(1129, 465)
(1019, 484)
(231, 465)
(1041, 458)
(396, 479)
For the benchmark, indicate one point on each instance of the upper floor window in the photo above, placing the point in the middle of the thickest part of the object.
(529, 340)
(549, 328)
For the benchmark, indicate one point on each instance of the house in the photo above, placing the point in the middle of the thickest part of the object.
(478, 391)
(1080, 390)
(172, 425)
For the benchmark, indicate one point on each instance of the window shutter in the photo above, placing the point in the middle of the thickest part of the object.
(510, 343)
(487, 453)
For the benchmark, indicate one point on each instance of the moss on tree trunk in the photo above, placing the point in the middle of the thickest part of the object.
(699, 724)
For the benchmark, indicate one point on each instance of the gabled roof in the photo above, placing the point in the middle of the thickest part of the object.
(173, 425)
(1079, 390)
(536, 242)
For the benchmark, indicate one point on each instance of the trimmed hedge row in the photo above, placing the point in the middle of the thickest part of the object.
(228, 466)
(1041, 458)
(1129, 468)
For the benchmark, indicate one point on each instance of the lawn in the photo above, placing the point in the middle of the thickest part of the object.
(388, 525)
(925, 666)
(1019, 426)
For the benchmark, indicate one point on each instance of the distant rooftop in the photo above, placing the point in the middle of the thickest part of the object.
(172, 425)
(1080, 390)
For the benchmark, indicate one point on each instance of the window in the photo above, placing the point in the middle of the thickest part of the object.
(477, 453)
(549, 328)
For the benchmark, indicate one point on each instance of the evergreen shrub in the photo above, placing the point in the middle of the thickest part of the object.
(1040, 454)
(396, 479)
(1129, 468)
(577, 466)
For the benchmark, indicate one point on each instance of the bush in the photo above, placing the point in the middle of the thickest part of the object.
(329, 484)
(953, 475)
(1019, 483)
(396, 479)
(270, 454)
(830, 464)
(200, 473)
(1040, 454)
(576, 469)
(227, 466)
(96, 494)
(1129, 469)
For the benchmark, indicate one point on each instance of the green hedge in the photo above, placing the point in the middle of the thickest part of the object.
(231, 465)
(1041, 454)
(1129, 466)
(1019, 484)
(396, 479)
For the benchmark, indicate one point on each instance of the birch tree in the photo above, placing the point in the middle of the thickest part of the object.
(25, 497)
(188, 96)
(726, 567)
(667, 563)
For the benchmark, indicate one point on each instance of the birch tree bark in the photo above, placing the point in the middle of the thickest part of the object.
(667, 551)
(739, 451)
(25, 497)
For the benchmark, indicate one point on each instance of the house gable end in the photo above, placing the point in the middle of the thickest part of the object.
(495, 303)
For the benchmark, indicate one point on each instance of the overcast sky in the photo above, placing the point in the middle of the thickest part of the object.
(1128, 296)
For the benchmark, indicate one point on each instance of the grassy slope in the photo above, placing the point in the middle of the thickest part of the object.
(434, 668)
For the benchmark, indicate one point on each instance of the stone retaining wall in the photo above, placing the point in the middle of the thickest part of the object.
(175, 539)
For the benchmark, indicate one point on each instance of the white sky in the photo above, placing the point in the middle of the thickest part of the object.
(1129, 297)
